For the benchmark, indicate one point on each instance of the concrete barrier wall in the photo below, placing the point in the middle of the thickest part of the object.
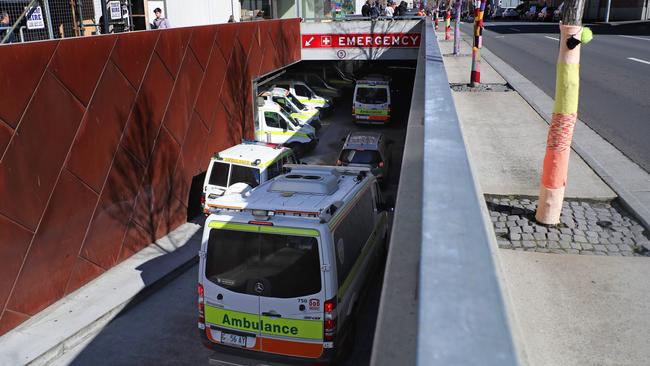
(100, 138)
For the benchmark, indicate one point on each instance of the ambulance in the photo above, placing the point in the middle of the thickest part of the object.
(306, 95)
(243, 167)
(274, 126)
(282, 269)
(372, 101)
(292, 106)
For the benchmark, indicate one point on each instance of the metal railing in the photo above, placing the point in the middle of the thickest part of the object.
(440, 276)
(36, 20)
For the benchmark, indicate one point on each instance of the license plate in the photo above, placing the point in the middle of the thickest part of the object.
(362, 117)
(233, 339)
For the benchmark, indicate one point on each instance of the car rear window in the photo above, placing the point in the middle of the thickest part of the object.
(288, 266)
(219, 175)
(371, 95)
(360, 156)
(245, 174)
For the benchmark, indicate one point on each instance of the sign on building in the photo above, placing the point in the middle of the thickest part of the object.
(392, 40)
(115, 9)
(35, 21)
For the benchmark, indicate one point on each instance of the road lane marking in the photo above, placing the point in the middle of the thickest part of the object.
(499, 36)
(643, 39)
(553, 38)
(639, 60)
(514, 29)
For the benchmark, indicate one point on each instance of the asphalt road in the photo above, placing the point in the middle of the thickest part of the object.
(614, 76)
(161, 328)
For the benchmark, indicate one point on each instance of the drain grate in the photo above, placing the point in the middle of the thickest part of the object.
(481, 88)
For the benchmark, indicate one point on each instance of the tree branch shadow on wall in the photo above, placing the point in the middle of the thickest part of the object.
(142, 193)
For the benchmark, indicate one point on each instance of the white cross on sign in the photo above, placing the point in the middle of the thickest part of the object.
(326, 40)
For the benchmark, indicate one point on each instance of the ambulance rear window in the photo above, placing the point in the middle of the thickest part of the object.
(372, 95)
(219, 175)
(287, 266)
(244, 174)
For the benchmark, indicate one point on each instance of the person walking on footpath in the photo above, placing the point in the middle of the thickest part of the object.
(374, 10)
(365, 9)
(390, 9)
(5, 24)
(160, 22)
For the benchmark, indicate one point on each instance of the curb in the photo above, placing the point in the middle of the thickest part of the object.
(82, 314)
(583, 137)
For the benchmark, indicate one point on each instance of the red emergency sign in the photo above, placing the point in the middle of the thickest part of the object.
(396, 40)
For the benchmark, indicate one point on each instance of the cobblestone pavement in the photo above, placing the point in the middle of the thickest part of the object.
(590, 228)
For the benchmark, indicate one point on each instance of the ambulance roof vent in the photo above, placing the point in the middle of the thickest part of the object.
(314, 182)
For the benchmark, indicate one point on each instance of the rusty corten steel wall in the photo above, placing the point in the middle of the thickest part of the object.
(100, 138)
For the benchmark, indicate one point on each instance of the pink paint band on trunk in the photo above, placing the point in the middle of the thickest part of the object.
(567, 56)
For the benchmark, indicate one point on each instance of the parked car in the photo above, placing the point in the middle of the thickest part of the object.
(546, 15)
(366, 149)
(510, 13)
(557, 13)
(531, 14)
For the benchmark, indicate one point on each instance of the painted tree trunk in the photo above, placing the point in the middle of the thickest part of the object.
(447, 26)
(565, 113)
(457, 28)
(476, 50)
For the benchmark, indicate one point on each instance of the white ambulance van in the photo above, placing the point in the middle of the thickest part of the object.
(274, 126)
(282, 269)
(293, 107)
(242, 167)
(306, 95)
(371, 103)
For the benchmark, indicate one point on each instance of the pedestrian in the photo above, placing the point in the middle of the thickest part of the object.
(365, 9)
(390, 9)
(260, 15)
(231, 19)
(160, 22)
(5, 24)
(374, 10)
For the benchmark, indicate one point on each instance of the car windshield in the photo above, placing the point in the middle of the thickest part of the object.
(371, 95)
(287, 266)
(351, 156)
(293, 122)
(245, 174)
(295, 101)
(219, 174)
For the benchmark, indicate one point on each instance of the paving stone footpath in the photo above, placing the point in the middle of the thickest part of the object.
(589, 228)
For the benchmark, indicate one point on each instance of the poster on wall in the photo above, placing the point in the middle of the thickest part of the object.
(115, 9)
(35, 21)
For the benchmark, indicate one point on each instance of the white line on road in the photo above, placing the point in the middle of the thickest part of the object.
(639, 60)
(643, 39)
(553, 38)
(515, 29)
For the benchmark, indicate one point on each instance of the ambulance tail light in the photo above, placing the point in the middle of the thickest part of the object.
(339, 163)
(381, 164)
(203, 198)
(201, 305)
(329, 326)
